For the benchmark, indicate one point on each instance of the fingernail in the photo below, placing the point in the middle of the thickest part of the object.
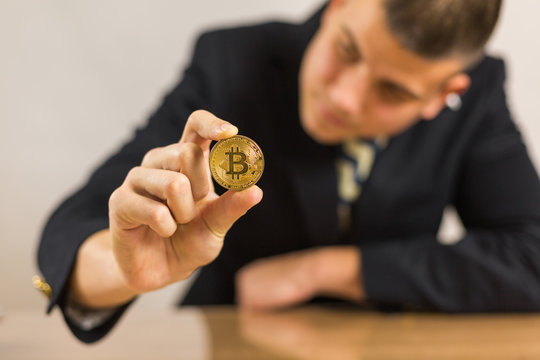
(225, 127)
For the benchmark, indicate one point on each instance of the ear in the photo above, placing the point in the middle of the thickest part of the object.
(330, 9)
(457, 84)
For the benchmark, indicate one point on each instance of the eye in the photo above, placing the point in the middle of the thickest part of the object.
(391, 93)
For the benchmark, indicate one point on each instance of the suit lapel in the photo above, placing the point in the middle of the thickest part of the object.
(313, 176)
(311, 167)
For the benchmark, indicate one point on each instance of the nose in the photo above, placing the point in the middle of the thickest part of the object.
(348, 90)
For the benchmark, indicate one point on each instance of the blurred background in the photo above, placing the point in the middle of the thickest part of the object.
(77, 77)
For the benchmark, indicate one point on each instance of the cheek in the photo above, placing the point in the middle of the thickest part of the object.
(321, 65)
(393, 118)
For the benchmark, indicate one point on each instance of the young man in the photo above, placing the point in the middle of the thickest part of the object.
(372, 75)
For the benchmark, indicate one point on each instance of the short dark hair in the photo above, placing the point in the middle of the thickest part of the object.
(439, 28)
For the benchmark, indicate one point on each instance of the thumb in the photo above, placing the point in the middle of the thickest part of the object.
(222, 213)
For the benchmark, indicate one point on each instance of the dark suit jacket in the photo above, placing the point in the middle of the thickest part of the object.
(473, 159)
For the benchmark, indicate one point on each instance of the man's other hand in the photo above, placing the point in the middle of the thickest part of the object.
(289, 279)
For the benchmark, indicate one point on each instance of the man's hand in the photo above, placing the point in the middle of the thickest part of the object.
(165, 219)
(292, 278)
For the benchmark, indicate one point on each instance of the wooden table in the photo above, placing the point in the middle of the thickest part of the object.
(303, 333)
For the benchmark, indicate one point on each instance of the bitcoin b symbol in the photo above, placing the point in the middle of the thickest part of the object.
(233, 161)
(236, 163)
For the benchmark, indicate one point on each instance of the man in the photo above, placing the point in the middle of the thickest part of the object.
(360, 74)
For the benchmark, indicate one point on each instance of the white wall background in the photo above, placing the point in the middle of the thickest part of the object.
(76, 77)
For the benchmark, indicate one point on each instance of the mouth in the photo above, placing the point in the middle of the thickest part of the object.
(329, 117)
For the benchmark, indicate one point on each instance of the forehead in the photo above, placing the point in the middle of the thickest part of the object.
(365, 20)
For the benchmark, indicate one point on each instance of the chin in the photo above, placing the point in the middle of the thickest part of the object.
(323, 139)
(319, 135)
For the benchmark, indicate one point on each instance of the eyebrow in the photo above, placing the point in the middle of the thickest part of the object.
(398, 87)
(385, 82)
(350, 38)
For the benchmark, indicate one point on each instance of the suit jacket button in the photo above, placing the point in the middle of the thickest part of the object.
(40, 284)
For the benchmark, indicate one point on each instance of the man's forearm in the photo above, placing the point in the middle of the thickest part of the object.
(337, 272)
(96, 280)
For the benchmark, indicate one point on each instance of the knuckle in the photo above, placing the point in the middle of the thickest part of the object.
(132, 173)
(158, 215)
(150, 154)
(177, 184)
(195, 114)
(118, 197)
(114, 199)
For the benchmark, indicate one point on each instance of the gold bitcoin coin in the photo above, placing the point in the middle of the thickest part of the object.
(237, 162)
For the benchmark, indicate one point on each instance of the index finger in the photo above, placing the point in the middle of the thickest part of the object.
(202, 127)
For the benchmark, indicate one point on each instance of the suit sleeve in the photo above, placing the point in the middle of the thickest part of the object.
(496, 266)
(86, 211)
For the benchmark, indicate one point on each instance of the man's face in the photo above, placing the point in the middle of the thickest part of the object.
(357, 81)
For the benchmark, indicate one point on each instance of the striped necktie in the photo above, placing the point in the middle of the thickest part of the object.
(353, 168)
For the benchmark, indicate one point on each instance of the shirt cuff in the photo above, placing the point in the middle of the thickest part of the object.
(87, 318)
